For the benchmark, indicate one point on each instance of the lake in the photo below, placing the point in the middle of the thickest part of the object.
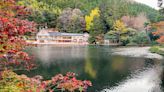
(108, 73)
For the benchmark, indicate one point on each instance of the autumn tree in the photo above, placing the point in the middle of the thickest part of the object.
(13, 26)
(160, 31)
(135, 22)
(89, 19)
(71, 20)
(95, 26)
(160, 26)
(119, 31)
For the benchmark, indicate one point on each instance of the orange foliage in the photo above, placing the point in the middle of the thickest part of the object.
(160, 31)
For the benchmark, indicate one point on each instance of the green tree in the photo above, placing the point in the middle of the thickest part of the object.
(43, 13)
(95, 26)
(140, 38)
(71, 20)
(97, 30)
(119, 31)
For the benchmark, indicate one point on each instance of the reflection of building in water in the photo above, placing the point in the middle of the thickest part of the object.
(46, 36)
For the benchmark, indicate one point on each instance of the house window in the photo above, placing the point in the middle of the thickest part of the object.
(67, 41)
(67, 37)
(41, 41)
(80, 40)
(74, 40)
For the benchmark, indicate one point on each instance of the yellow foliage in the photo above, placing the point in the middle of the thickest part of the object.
(119, 26)
(95, 12)
(89, 19)
(11, 82)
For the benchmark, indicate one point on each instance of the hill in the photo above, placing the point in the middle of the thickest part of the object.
(47, 11)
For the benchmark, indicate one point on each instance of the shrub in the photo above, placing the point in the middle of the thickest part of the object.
(140, 38)
(11, 82)
(92, 40)
(156, 49)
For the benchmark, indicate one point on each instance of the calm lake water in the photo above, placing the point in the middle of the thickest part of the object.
(108, 73)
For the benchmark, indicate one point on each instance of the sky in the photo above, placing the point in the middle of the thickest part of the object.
(151, 3)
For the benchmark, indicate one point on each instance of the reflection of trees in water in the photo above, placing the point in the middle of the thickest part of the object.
(91, 63)
(163, 80)
(89, 69)
(106, 70)
(142, 81)
(47, 71)
(53, 60)
(152, 62)
(162, 76)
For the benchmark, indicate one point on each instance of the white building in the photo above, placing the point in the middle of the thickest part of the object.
(51, 37)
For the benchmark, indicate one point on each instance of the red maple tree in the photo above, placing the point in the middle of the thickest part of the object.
(13, 26)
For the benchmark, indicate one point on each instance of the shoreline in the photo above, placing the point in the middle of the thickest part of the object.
(136, 52)
(131, 51)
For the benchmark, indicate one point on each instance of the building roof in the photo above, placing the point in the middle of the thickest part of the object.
(64, 34)
(44, 32)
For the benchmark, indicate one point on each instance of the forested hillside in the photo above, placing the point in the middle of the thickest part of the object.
(49, 10)
(98, 17)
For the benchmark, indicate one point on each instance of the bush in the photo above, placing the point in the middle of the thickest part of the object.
(156, 49)
(92, 40)
(154, 43)
(11, 82)
(140, 39)
(132, 44)
(125, 40)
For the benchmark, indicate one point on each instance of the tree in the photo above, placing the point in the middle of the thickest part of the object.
(42, 12)
(140, 38)
(12, 30)
(160, 31)
(72, 21)
(13, 26)
(137, 22)
(97, 30)
(118, 31)
(89, 19)
(95, 26)
(48, 11)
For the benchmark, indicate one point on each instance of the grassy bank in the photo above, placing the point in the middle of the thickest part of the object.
(157, 49)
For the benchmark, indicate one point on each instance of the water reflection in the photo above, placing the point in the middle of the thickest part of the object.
(96, 63)
(145, 81)
(48, 54)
